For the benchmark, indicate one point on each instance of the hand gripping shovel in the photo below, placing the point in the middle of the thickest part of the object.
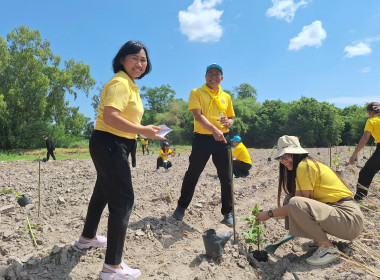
(273, 247)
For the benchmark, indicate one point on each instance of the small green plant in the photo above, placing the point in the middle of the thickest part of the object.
(7, 191)
(255, 234)
(272, 152)
(336, 161)
(10, 191)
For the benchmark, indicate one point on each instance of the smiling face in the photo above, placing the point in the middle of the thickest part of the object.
(213, 78)
(135, 64)
(287, 161)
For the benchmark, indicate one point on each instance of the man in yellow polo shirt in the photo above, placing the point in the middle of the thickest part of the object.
(243, 162)
(213, 116)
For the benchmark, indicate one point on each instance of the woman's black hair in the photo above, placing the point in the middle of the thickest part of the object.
(287, 179)
(130, 47)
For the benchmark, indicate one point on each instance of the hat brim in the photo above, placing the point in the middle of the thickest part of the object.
(290, 150)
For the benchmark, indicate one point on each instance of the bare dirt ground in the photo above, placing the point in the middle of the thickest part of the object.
(160, 246)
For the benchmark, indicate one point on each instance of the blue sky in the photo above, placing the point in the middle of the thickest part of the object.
(286, 49)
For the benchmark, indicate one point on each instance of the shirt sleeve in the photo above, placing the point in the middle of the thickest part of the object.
(230, 109)
(117, 97)
(368, 126)
(194, 100)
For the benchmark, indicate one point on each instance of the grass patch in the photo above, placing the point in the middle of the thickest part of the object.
(71, 153)
(60, 154)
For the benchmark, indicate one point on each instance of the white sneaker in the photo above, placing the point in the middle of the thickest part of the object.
(323, 256)
(309, 246)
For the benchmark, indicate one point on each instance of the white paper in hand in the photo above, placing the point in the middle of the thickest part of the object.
(165, 130)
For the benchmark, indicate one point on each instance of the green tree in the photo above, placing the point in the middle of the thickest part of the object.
(245, 90)
(355, 118)
(33, 88)
(158, 98)
(317, 124)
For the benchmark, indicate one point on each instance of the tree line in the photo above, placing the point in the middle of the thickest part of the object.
(34, 85)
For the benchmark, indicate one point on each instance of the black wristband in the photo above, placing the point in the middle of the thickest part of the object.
(270, 213)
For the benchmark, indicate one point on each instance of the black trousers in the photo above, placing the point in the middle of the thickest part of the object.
(161, 163)
(143, 149)
(48, 153)
(203, 147)
(113, 187)
(369, 171)
(241, 168)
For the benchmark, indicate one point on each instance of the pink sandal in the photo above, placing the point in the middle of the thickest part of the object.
(100, 241)
(119, 274)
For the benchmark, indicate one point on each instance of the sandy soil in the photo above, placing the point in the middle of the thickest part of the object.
(160, 246)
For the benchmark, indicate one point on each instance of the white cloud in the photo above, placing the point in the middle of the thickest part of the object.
(311, 35)
(358, 100)
(358, 49)
(284, 9)
(201, 22)
(365, 69)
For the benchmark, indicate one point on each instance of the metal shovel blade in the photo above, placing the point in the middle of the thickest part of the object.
(273, 247)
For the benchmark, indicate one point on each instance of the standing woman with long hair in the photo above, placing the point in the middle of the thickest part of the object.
(318, 202)
(372, 166)
(117, 124)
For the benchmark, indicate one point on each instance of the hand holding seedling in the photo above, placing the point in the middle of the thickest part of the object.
(262, 216)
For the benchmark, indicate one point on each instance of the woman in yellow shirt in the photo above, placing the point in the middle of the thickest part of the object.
(117, 124)
(318, 202)
(372, 166)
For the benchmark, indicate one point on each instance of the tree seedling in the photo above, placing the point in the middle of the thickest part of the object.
(271, 153)
(336, 161)
(255, 234)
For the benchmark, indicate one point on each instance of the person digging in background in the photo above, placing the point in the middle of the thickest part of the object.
(213, 116)
(49, 147)
(144, 145)
(372, 166)
(117, 124)
(243, 163)
(163, 156)
(318, 202)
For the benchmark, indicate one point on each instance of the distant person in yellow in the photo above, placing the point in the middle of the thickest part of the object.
(144, 144)
(243, 163)
(163, 156)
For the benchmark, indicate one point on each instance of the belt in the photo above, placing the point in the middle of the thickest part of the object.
(342, 200)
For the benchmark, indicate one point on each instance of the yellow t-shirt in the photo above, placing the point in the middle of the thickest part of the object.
(199, 99)
(325, 186)
(241, 153)
(122, 94)
(161, 152)
(144, 142)
(373, 125)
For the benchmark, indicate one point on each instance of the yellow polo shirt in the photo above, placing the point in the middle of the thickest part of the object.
(325, 186)
(144, 142)
(241, 154)
(373, 125)
(161, 154)
(122, 94)
(199, 99)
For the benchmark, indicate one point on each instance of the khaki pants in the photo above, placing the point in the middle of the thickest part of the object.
(312, 219)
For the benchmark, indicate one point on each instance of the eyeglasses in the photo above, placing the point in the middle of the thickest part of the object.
(284, 157)
(214, 75)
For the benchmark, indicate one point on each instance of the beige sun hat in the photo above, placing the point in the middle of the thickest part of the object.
(289, 145)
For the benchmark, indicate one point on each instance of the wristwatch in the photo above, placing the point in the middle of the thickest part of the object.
(270, 213)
